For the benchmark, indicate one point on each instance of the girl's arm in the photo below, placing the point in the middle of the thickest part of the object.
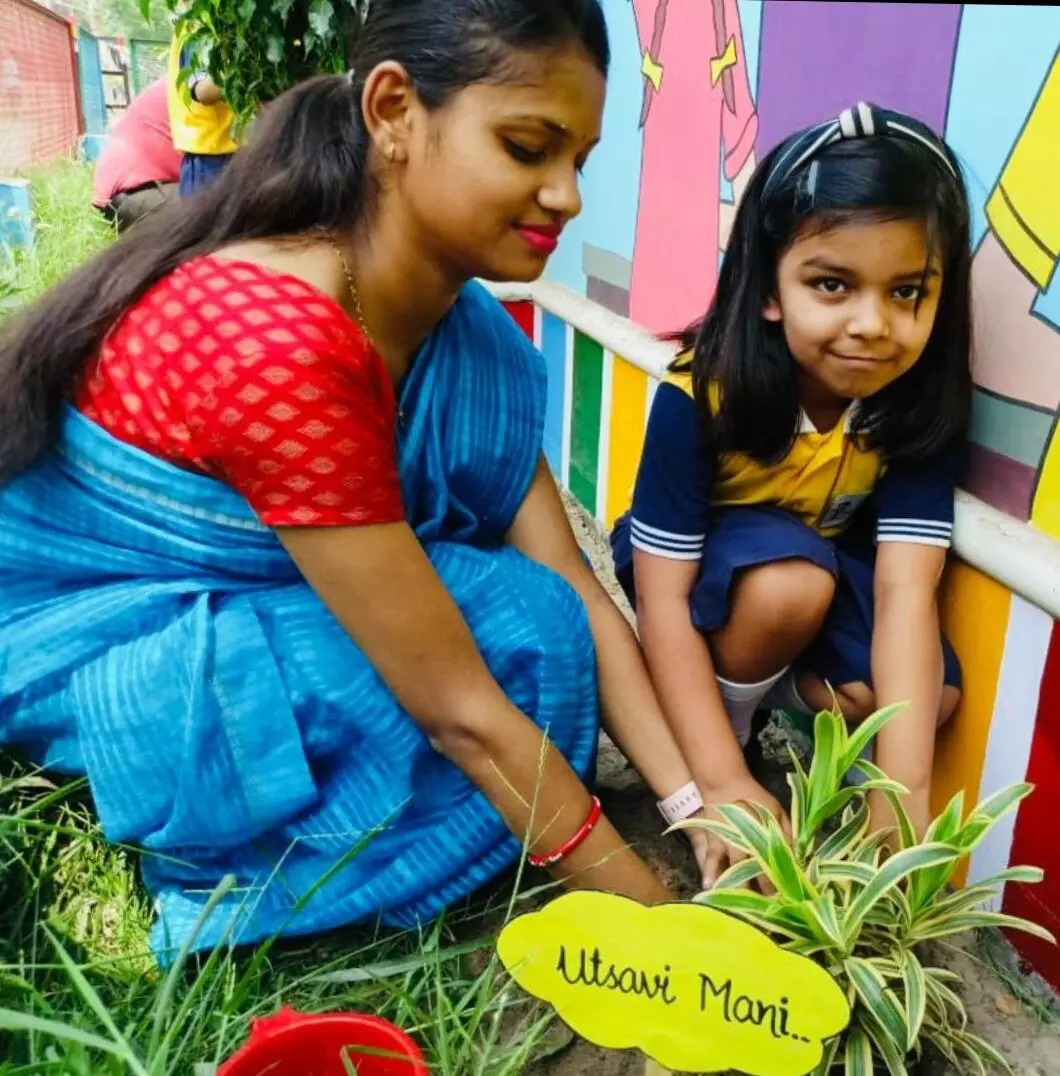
(382, 588)
(682, 671)
(907, 667)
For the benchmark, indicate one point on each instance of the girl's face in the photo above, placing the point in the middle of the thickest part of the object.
(491, 179)
(856, 306)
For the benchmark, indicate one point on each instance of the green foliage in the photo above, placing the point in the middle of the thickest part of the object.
(67, 232)
(255, 49)
(862, 911)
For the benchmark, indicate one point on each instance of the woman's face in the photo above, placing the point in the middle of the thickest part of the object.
(490, 179)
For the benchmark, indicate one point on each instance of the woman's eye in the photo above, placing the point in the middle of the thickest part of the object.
(909, 293)
(830, 285)
(522, 153)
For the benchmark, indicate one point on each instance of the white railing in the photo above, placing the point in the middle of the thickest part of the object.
(1016, 554)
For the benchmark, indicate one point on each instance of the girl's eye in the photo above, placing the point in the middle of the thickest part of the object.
(523, 154)
(909, 293)
(830, 285)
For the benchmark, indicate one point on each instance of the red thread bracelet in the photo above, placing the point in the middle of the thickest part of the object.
(571, 843)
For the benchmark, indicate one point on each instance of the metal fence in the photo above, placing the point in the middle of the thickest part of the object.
(39, 109)
(147, 62)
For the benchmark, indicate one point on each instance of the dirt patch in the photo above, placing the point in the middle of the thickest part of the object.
(1012, 1011)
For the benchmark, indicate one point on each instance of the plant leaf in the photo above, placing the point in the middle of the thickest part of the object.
(985, 1051)
(947, 825)
(865, 733)
(836, 845)
(899, 866)
(96, 1004)
(747, 870)
(838, 871)
(824, 1068)
(857, 1058)
(944, 999)
(987, 813)
(829, 730)
(754, 836)
(957, 924)
(784, 870)
(941, 1042)
(879, 1000)
(18, 1021)
(826, 919)
(893, 1057)
(758, 909)
(321, 14)
(915, 983)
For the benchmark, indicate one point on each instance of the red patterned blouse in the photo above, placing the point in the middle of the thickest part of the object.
(255, 378)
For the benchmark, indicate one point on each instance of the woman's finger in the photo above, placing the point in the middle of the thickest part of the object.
(713, 862)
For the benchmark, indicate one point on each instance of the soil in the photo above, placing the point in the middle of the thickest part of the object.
(1014, 1011)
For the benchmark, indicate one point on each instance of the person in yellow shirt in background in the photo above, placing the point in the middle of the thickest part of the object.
(201, 122)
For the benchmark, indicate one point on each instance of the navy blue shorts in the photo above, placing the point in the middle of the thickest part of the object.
(742, 538)
(199, 170)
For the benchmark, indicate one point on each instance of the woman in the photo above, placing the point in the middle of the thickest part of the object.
(288, 578)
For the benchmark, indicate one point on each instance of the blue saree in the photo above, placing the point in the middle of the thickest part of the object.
(157, 638)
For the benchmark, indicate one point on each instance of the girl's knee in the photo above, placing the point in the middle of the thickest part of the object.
(951, 697)
(855, 700)
(784, 598)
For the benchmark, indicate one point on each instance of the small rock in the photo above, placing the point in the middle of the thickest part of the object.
(1007, 1004)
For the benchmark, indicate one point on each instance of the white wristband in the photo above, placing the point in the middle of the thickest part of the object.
(682, 804)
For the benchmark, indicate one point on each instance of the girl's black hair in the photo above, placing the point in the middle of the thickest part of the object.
(875, 178)
(305, 168)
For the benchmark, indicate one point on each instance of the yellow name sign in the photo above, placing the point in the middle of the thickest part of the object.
(693, 988)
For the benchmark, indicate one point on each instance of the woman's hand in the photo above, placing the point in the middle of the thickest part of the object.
(382, 588)
(741, 790)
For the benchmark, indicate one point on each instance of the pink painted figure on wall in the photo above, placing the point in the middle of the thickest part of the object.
(698, 116)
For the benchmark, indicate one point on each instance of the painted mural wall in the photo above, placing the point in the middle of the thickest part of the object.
(700, 90)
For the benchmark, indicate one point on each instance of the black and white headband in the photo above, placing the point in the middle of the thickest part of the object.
(862, 121)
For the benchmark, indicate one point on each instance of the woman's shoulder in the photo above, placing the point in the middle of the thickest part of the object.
(248, 309)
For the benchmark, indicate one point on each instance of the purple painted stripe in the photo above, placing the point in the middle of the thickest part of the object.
(1002, 482)
(817, 58)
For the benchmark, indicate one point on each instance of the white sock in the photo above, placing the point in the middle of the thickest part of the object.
(784, 695)
(741, 701)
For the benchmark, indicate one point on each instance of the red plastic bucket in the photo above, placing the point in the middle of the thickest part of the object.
(295, 1044)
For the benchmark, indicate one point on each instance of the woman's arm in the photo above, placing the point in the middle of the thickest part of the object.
(381, 587)
(631, 712)
(907, 667)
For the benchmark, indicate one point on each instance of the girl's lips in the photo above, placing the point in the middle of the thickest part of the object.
(543, 240)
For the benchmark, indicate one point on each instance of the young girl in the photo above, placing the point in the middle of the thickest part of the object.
(826, 391)
(281, 567)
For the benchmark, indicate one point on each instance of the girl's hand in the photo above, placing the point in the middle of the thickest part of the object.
(741, 790)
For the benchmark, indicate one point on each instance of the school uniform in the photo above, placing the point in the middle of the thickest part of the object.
(824, 502)
(201, 133)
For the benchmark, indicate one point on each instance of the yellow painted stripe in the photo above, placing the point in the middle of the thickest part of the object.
(974, 611)
(629, 395)
(1046, 512)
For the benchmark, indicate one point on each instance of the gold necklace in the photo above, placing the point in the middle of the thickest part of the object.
(354, 297)
(358, 312)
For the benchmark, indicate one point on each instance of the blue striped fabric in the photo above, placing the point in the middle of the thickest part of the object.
(156, 637)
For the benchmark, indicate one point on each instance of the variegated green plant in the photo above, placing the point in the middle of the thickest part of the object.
(860, 905)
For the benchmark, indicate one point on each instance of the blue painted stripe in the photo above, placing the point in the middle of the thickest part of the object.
(554, 348)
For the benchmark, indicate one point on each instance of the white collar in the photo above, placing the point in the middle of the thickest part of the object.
(806, 423)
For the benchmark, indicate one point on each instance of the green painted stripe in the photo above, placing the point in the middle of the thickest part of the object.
(585, 420)
(1010, 429)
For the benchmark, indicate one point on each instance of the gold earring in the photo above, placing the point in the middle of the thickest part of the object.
(391, 152)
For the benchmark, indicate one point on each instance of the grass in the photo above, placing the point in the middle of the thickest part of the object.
(79, 990)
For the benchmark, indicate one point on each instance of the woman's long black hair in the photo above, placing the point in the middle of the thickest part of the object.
(877, 178)
(306, 168)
